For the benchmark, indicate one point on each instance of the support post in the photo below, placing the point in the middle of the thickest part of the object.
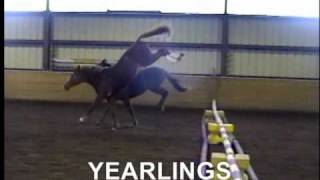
(225, 40)
(47, 38)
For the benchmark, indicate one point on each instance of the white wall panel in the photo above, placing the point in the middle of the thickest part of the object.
(193, 29)
(250, 63)
(194, 62)
(23, 57)
(197, 29)
(23, 27)
(273, 31)
(75, 53)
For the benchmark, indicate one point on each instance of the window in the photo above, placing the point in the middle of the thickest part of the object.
(306, 8)
(165, 6)
(25, 5)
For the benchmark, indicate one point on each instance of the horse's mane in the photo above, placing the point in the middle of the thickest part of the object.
(91, 70)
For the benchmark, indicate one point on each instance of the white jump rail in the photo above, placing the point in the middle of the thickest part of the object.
(234, 168)
(239, 150)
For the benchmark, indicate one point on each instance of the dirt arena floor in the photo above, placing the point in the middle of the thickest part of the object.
(45, 141)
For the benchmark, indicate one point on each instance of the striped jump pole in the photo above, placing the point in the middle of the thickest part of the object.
(234, 168)
(204, 147)
(239, 150)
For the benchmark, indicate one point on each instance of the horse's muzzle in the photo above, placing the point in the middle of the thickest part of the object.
(66, 86)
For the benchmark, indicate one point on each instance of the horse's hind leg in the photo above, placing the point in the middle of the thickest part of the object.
(116, 124)
(104, 115)
(164, 94)
(132, 113)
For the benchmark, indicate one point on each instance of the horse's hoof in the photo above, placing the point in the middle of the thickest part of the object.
(163, 109)
(135, 123)
(188, 89)
(180, 57)
(98, 123)
(128, 126)
(82, 119)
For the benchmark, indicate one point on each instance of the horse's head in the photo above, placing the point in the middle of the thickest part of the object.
(75, 78)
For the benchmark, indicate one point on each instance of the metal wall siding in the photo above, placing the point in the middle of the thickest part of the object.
(194, 62)
(23, 27)
(281, 32)
(111, 54)
(193, 29)
(248, 63)
(252, 31)
(23, 57)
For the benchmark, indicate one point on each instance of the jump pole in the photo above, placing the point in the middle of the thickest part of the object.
(239, 150)
(204, 148)
(234, 168)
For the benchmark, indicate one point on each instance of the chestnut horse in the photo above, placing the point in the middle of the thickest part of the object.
(147, 79)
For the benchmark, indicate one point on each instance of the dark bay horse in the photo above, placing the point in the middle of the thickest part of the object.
(113, 79)
(148, 79)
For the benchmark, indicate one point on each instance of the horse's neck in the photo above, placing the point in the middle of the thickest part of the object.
(93, 77)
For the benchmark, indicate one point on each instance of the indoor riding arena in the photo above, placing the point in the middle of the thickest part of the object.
(249, 92)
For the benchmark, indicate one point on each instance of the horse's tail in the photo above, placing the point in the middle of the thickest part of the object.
(157, 31)
(175, 83)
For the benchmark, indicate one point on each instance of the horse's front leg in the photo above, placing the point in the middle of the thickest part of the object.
(157, 55)
(96, 102)
(165, 52)
(116, 124)
(175, 56)
(106, 112)
(110, 107)
(104, 115)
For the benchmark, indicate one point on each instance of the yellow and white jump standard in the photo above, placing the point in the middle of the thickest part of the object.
(216, 131)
